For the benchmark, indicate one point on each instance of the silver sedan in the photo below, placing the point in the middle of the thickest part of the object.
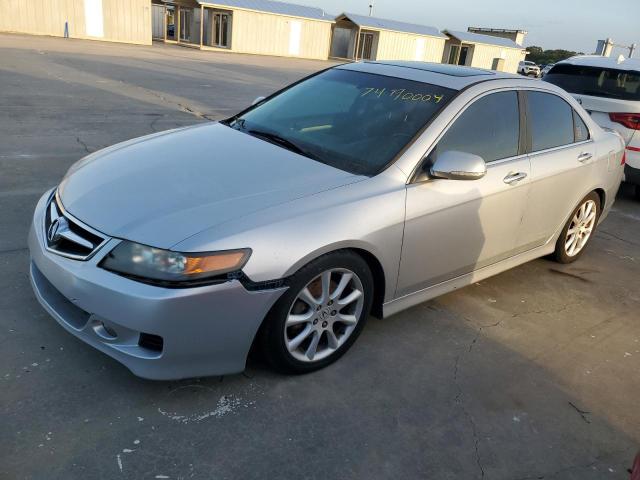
(364, 189)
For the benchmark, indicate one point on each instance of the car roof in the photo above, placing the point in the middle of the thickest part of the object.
(620, 63)
(450, 76)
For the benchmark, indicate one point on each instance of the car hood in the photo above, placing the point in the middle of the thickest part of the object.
(161, 189)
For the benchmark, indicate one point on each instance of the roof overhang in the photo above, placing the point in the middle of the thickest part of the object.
(227, 6)
(482, 42)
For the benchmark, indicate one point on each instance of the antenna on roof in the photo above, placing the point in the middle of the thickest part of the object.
(371, 5)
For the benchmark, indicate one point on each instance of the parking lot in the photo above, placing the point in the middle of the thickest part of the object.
(532, 374)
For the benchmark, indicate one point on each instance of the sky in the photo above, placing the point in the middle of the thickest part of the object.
(568, 24)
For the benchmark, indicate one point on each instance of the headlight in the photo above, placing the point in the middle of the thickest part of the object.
(165, 266)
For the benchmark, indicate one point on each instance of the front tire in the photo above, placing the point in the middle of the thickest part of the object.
(321, 314)
(579, 229)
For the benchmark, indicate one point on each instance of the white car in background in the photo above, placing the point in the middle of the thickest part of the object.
(609, 89)
(528, 68)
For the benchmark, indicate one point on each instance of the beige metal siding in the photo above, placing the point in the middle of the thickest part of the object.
(126, 21)
(404, 46)
(269, 34)
(483, 56)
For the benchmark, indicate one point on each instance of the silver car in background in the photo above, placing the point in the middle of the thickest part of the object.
(365, 188)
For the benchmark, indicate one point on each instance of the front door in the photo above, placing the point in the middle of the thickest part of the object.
(454, 227)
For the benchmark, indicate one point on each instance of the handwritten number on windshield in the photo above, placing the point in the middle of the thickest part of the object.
(401, 94)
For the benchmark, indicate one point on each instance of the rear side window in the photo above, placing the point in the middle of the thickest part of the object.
(596, 81)
(489, 127)
(581, 132)
(550, 121)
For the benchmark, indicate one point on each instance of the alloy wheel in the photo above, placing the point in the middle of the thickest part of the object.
(323, 315)
(581, 227)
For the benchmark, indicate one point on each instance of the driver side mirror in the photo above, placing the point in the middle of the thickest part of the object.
(257, 100)
(454, 165)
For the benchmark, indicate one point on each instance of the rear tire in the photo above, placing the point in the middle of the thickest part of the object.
(321, 314)
(579, 230)
(637, 192)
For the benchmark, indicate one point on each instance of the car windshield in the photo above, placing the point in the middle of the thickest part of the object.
(596, 81)
(354, 121)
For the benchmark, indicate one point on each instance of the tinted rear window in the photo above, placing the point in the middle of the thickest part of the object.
(596, 81)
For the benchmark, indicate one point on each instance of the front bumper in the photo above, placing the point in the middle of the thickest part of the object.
(205, 330)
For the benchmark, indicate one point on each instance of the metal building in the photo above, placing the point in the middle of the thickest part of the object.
(358, 37)
(109, 20)
(264, 27)
(482, 51)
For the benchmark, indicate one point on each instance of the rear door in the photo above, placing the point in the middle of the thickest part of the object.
(454, 227)
(561, 152)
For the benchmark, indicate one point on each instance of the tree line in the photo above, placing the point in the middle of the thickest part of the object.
(541, 56)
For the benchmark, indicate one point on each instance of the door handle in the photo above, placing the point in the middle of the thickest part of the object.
(514, 177)
(584, 156)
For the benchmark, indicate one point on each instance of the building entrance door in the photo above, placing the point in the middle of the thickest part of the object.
(365, 47)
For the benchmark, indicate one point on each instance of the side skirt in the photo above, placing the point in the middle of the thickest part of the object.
(397, 305)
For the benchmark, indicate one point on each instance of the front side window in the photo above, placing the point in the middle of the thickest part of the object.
(353, 121)
(489, 127)
(596, 81)
(550, 120)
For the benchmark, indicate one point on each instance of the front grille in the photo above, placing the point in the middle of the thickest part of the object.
(66, 235)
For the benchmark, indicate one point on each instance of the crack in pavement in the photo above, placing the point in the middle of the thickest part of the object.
(459, 401)
(583, 413)
(459, 395)
(84, 145)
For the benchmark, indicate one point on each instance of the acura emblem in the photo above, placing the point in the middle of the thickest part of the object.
(57, 226)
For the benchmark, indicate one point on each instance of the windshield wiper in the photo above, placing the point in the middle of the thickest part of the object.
(282, 142)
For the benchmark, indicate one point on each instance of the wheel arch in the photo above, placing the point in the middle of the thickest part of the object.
(379, 285)
(377, 272)
(366, 253)
(603, 197)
